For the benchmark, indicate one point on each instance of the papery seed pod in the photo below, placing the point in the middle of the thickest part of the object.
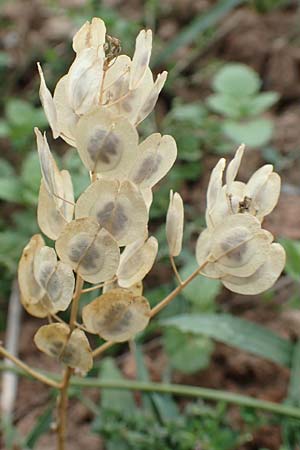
(174, 224)
(148, 197)
(90, 250)
(49, 169)
(55, 278)
(136, 261)
(141, 58)
(73, 350)
(118, 207)
(48, 105)
(51, 218)
(136, 289)
(203, 250)
(239, 246)
(106, 145)
(66, 116)
(151, 99)
(214, 189)
(84, 80)
(156, 156)
(233, 167)
(116, 81)
(90, 35)
(263, 278)
(117, 315)
(31, 292)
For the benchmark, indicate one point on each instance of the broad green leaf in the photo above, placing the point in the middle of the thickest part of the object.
(4, 129)
(236, 332)
(237, 79)
(253, 133)
(227, 105)
(292, 249)
(187, 352)
(11, 189)
(31, 178)
(114, 399)
(6, 169)
(261, 102)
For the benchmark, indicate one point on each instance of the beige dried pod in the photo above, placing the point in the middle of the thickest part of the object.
(90, 250)
(106, 145)
(148, 197)
(233, 167)
(31, 292)
(141, 58)
(118, 207)
(263, 189)
(71, 349)
(203, 251)
(151, 99)
(90, 35)
(136, 289)
(84, 80)
(66, 116)
(136, 261)
(48, 105)
(214, 189)
(55, 278)
(263, 278)
(117, 315)
(156, 156)
(174, 224)
(239, 246)
(51, 218)
(116, 81)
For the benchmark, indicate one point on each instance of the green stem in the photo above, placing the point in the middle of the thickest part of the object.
(182, 390)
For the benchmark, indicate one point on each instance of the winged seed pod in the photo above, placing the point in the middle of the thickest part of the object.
(174, 224)
(71, 349)
(117, 315)
(90, 35)
(118, 207)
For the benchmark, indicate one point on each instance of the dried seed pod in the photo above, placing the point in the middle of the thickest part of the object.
(117, 315)
(156, 156)
(174, 224)
(72, 349)
(66, 116)
(148, 197)
(136, 261)
(263, 278)
(203, 250)
(55, 278)
(214, 189)
(141, 58)
(118, 207)
(151, 98)
(31, 292)
(106, 145)
(48, 105)
(116, 81)
(51, 218)
(89, 249)
(233, 167)
(136, 289)
(239, 246)
(90, 35)
(263, 189)
(84, 80)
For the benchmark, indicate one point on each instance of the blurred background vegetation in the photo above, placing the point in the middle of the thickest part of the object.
(233, 77)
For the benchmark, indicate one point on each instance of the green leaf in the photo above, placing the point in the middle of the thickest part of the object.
(41, 426)
(200, 24)
(18, 112)
(4, 129)
(253, 133)
(114, 399)
(6, 169)
(226, 105)
(31, 178)
(294, 385)
(187, 352)
(236, 332)
(262, 102)
(292, 249)
(237, 79)
(11, 190)
(202, 291)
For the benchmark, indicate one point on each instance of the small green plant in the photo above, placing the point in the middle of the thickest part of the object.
(238, 100)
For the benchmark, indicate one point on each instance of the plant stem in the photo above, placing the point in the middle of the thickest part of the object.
(33, 373)
(62, 405)
(175, 270)
(177, 389)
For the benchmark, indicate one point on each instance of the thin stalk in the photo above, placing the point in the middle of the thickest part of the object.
(175, 270)
(33, 373)
(176, 389)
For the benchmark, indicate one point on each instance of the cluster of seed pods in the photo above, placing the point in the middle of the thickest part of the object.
(102, 236)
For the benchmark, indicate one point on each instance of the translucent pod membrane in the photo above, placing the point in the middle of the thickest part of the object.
(174, 224)
(66, 116)
(141, 58)
(136, 261)
(263, 278)
(51, 217)
(136, 289)
(106, 145)
(48, 105)
(55, 278)
(73, 349)
(90, 250)
(117, 315)
(31, 291)
(90, 35)
(118, 207)
(156, 156)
